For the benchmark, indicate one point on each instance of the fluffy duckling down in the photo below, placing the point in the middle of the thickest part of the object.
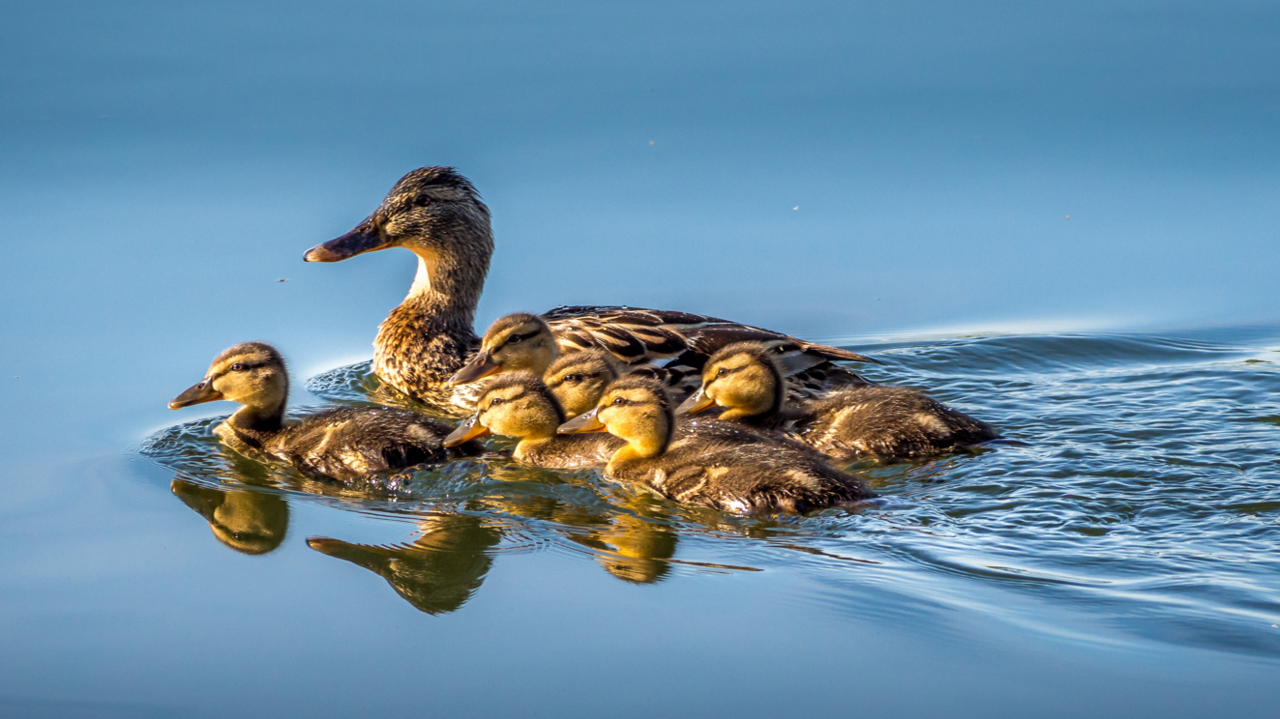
(860, 422)
(338, 443)
(519, 405)
(715, 465)
(524, 342)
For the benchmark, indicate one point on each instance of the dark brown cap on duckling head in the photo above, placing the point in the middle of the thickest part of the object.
(579, 379)
(516, 404)
(744, 377)
(520, 341)
(252, 373)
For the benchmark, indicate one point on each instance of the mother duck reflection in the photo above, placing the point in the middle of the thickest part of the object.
(437, 214)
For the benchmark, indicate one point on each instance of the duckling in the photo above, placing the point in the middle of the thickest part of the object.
(518, 404)
(338, 443)
(437, 214)
(714, 465)
(525, 342)
(880, 422)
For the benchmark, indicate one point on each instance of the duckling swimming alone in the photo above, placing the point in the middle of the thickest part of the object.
(438, 215)
(876, 421)
(339, 443)
(714, 465)
(518, 404)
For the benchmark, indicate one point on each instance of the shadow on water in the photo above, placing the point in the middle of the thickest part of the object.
(1143, 503)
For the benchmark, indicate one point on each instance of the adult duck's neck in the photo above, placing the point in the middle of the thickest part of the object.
(429, 336)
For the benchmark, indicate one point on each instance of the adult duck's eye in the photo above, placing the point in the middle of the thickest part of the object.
(421, 201)
(237, 367)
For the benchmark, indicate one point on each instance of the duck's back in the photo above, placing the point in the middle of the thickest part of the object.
(735, 469)
(887, 422)
(349, 441)
(569, 451)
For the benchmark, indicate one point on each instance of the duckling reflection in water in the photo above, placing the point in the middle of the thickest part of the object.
(438, 572)
(249, 521)
(715, 465)
(520, 405)
(876, 421)
(339, 443)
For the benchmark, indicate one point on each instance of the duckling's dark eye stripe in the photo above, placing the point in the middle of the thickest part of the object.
(243, 366)
(525, 336)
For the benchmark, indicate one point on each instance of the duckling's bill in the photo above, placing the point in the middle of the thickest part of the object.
(697, 402)
(366, 237)
(589, 422)
(196, 394)
(469, 429)
(479, 367)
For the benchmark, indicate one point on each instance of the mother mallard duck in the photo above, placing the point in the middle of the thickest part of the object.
(437, 214)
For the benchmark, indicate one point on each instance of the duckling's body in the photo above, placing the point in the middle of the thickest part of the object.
(853, 423)
(438, 215)
(339, 443)
(715, 465)
(519, 404)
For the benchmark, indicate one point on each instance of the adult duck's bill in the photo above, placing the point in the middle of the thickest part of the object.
(697, 402)
(589, 422)
(364, 238)
(469, 429)
(479, 367)
(196, 394)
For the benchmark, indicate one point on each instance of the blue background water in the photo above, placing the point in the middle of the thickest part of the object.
(838, 171)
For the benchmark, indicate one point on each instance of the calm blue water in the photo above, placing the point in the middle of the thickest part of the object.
(895, 179)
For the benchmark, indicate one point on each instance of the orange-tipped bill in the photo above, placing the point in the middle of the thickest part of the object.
(469, 429)
(479, 367)
(697, 402)
(196, 394)
(589, 422)
(364, 238)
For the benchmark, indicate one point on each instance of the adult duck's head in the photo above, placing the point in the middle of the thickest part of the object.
(437, 214)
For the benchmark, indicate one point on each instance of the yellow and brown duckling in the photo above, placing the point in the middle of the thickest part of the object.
(524, 342)
(338, 443)
(875, 421)
(715, 465)
(437, 214)
(519, 405)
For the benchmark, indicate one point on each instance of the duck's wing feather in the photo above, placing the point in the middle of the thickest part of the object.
(682, 342)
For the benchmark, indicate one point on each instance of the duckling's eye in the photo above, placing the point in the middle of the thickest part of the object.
(722, 371)
(237, 367)
(618, 401)
(573, 378)
(514, 339)
(495, 401)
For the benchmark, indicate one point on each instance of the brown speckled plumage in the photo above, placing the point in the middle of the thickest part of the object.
(437, 214)
(716, 465)
(853, 423)
(339, 443)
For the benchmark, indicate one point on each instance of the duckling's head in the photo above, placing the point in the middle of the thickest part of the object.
(513, 343)
(578, 379)
(634, 408)
(743, 377)
(252, 374)
(516, 404)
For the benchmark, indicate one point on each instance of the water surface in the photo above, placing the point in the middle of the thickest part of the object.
(1058, 218)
